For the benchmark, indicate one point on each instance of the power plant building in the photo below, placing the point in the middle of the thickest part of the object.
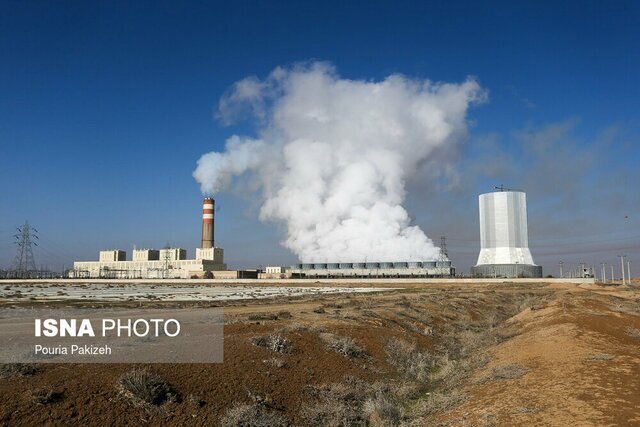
(504, 241)
(372, 270)
(167, 263)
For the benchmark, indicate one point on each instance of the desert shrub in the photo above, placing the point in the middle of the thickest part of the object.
(600, 356)
(142, 386)
(284, 315)
(244, 415)
(331, 414)
(633, 332)
(43, 396)
(439, 401)
(460, 344)
(262, 316)
(319, 310)
(196, 400)
(338, 404)
(273, 342)
(345, 346)
(18, 369)
(274, 362)
(504, 334)
(383, 409)
(406, 359)
(505, 372)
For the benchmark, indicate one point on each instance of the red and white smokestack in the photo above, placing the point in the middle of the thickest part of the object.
(208, 207)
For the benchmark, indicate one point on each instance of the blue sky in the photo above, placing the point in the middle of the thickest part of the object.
(106, 106)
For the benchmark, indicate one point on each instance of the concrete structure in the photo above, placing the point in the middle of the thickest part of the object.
(167, 263)
(275, 272)
(504, 241)
(173, 254)
(373, 270)
(145, 255)
(208, 212)
(112, 255)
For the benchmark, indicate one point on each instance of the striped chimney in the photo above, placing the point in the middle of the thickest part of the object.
(208, 206)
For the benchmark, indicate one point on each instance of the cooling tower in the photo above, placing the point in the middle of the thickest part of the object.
(504, 243)
(208, 207)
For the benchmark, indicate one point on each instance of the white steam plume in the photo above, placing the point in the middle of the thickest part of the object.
(333, 157)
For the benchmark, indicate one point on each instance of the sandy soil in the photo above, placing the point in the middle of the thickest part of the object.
(582, 366)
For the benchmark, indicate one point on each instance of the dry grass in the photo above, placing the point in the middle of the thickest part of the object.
(600, 356)
(345, 346)
(44, 396)
(505, 372)
(262, 316)
(383, 409)
(273, 342)
(353, 403)
(274, 362)
(18, 369)
(244, 415)
(633, 332)
(439, 402)
(144, 387)
(404, 356)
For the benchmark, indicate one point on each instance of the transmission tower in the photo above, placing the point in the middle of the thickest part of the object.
(444, 255)
(24, 262)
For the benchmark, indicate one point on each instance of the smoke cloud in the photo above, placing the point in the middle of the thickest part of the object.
(333, 156)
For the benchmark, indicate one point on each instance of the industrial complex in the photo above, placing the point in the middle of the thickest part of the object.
(167, 263)
(504, 253)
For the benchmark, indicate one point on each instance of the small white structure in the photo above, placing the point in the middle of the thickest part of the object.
(173, 254)
(113, 255)
(213, 254)
(145, 255)
(275, 272)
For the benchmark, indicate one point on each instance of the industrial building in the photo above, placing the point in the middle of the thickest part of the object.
(372, 270)
(504, 241)
(167, 263)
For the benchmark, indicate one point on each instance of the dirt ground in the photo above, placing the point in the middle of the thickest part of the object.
(468, 355)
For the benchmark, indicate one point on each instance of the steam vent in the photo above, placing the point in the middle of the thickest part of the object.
(504, 242)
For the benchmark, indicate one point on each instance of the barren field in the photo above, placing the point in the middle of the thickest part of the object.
(460, 355)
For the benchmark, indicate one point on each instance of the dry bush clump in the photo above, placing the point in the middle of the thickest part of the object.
(273, 342)
(529, 409)
(18, 369)
(44, 396)
(464, 343)
(404, 356)
(335, 404)
(345, 346)
(274, 362)
(633, 332)
(505, 372)
(245, 415)
(600, 356)
(440, 401)
(144, 387)
(262, 316)
(353, 403)
(383, 409)
(506, 333)
(196, 400)
(368, 303)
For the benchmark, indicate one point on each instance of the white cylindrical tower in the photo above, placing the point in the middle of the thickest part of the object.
(504, 241)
